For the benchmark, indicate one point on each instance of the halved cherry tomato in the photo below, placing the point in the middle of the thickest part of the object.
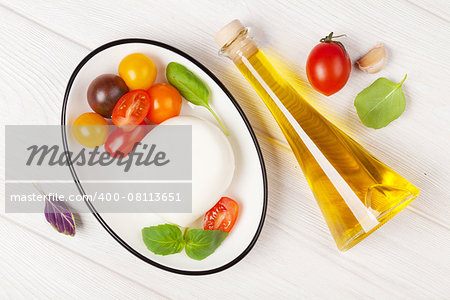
(165, 103)
(90, 130)
(122, 141)
(131, 109)
(222, 216)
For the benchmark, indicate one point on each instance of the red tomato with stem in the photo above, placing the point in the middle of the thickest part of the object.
(131, 109)
(222, 216)
(165, 103)
(328, 66)
(122, 141)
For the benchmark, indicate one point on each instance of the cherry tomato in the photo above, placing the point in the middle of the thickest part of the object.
(121, 141)
(222, 216)
(131, 109)
(104, 92)
(90, 130)
(328, 66)
(138, 71)
(165, 103)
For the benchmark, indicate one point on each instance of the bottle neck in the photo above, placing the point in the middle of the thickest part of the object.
(241, 46)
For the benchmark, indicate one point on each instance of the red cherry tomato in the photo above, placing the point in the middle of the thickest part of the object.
(131, 109)
(122, 141)
(222, 216)
(328, 66)
(165, 103)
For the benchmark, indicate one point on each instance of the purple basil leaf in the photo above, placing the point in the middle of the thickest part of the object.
(59, 216)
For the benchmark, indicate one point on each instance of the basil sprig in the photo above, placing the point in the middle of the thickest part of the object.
(168, 239)
(381, 103)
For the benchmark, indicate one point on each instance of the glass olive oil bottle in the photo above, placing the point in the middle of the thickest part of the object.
(356, 192)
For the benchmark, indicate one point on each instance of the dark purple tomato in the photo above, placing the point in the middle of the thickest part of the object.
(104, 92)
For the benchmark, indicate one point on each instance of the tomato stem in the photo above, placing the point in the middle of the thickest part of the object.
(329, 39)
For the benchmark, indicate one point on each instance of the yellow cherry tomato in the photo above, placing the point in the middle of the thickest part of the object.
(138, 71)
(90, 130)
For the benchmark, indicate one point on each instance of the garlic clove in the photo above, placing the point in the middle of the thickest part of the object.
(374, 60)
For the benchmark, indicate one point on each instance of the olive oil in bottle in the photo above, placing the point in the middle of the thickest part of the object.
(355, 192)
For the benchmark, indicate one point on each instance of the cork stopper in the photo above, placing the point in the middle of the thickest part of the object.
(229, 33)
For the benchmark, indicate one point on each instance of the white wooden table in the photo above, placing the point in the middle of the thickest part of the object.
(41, 42)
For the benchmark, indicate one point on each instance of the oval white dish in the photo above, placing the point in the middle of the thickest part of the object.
(249, 184)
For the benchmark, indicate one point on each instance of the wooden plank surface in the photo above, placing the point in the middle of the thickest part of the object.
(42, 41)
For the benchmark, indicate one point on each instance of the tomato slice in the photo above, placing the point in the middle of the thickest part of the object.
(131, 109)
(122, 141)
(222, 216)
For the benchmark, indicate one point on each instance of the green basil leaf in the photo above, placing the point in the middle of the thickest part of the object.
(191, 87)
(163, 239)
(381, 103)
(202, 243)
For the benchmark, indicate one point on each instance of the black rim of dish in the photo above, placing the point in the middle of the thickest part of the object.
(238, 108)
